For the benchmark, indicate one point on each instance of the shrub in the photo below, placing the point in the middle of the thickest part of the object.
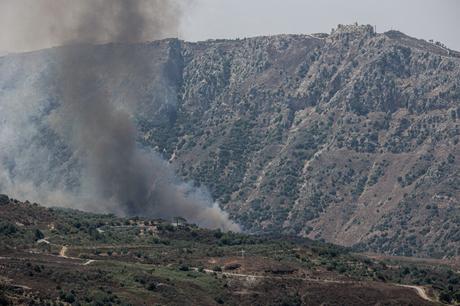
(4, 199)
(4, 301)
(184, 268)
(445, 297)
(7, 228)
(38, 234)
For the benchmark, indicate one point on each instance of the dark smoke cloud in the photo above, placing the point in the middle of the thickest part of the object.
(117, 175)
(35, 24)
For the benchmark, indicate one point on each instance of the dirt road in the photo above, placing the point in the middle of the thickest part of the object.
(420, 291)
(253, 276)
(90, 261)
(63, 252)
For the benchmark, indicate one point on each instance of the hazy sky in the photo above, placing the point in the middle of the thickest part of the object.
(429, 19)
(204, 19)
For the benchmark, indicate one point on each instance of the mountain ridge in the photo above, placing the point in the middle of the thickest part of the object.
(351, 137)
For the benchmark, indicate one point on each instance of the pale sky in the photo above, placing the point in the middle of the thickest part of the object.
(26, 24)
(428, 19)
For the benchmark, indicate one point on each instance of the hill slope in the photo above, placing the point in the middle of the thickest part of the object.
(54, 256)
(350, 137)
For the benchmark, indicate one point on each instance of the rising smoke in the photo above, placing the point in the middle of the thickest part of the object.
(114, 173)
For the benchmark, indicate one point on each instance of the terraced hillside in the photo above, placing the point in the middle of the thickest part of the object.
(351, 137)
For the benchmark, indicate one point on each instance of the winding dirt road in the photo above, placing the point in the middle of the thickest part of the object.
(63, 254)
(420, 291)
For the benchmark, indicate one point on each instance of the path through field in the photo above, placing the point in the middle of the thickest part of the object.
(420, 291)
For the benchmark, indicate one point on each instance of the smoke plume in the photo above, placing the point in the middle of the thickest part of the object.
(114, 173)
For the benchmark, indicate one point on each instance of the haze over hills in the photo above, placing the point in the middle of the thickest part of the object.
(350, 137)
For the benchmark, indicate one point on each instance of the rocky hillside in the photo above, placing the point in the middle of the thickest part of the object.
(350, 137)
